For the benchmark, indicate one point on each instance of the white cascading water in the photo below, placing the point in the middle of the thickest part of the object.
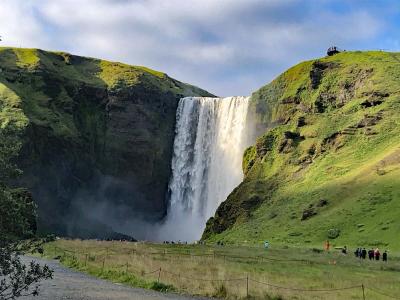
(210, 137)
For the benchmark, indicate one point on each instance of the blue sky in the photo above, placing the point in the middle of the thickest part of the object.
(229, 47)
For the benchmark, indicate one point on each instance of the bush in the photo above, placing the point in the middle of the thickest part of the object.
(221, 292)
(333, 233)
(17, 223)
(161, 287)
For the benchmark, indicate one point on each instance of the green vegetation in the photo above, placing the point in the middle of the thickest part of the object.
(17, 218)
(17, 212)
(206, 270)
(329, 166)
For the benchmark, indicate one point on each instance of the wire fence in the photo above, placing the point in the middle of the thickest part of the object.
(213, 255)
(245, 280)
(377, 291)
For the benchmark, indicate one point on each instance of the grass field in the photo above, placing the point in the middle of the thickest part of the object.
(229, 272)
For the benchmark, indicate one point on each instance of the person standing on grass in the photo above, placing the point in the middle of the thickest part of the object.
(385, 256)
(327, 245)
(357, 252)
(377, 254)
(371, 254)
(266, 245)
(364, 253)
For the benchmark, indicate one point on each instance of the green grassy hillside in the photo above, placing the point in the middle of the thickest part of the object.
(328, 166)
(97, 137)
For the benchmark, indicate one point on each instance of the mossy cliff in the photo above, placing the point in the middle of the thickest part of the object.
(97, 137)
(328, 164)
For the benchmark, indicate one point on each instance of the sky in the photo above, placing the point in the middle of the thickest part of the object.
(228, 47)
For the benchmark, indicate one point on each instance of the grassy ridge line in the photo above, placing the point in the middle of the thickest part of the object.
(334, 135)
(35, 96)
(89, 69)
(294, 268)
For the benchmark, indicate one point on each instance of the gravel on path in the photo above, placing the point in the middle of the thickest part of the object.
(70, 284)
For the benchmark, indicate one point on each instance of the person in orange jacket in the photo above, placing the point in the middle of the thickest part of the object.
(327, 245)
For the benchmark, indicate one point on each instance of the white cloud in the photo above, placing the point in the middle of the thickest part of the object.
(19, 25)
(226, 46)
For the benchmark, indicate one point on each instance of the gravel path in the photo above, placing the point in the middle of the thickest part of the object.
(69, 284)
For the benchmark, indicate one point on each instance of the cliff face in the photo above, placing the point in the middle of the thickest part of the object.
(328, 164)
(97, 138)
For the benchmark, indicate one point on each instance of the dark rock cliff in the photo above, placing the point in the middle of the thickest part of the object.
(98, 141)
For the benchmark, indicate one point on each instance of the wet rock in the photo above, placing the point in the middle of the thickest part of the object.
(316, 73)
(371, 103)
(322, 203)
(334, 141)
(308, 213)
(370, 120)
(301, 121)
(289, 141)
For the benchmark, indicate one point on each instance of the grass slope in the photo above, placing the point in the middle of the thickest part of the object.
(328, 166)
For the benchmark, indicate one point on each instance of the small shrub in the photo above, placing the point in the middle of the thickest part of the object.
(333, 233)
(380, 172)
(221, 292)
(161, 287)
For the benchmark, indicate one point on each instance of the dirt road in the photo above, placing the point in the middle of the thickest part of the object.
(69, 284)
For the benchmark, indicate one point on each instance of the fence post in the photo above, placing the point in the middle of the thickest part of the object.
(104, 261)
(247, 286)
(363, 290)
(127, 266)
(159, 275)
(86, 258)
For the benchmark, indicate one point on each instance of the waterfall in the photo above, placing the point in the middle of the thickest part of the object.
(210, 137)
